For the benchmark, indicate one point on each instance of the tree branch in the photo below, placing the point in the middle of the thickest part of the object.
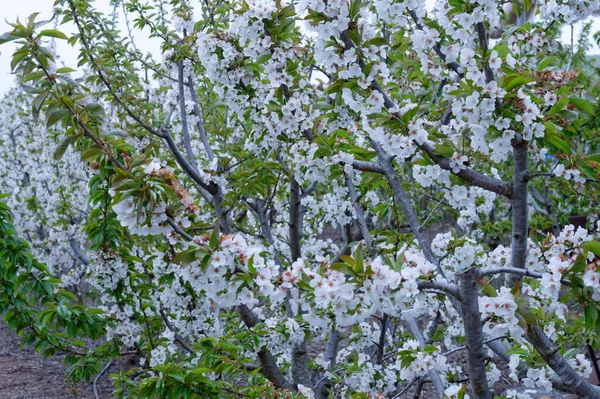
(101, 75)
(519, 211)
(79, 252)
(360, 216)
(295, 219)
(437, 48)
(199, 124)
(518, 272)
(569, 377)
(473, 335)
(269, 367)
(402, 199)
(367, 166)
(178, 337)
(470, 176)
(184, 122)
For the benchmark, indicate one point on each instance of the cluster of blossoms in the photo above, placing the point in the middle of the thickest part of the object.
(48, 197)
(569, 10)
(322, 294)
(278, 176)
(134, 219)
(501, 315)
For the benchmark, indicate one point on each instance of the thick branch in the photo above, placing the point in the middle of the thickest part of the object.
(199, 123)
(187, 168)
(461, 348)
(381, 343)
(300, 371)
(259, 208)
(269, 367)
(474, 178)
(483, 43)
(358, 210)
(444, 287)
(569, 377)
(474, 335)
(184, 122)
(519, 211)
(295, 221)
(79, 252)
(367, 167)
(402, 199)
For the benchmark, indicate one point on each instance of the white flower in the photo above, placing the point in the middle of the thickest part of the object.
(152, 167)
(457, 162)
(307, 392)
(495, 60)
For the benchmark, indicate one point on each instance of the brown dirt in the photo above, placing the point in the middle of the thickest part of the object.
(25, 374)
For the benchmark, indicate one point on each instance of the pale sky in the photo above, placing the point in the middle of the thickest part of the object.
(11, 9)
(21, 9)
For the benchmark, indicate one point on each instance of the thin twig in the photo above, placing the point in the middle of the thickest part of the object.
(95, 385)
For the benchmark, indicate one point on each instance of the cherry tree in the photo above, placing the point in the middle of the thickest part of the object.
(306, 198)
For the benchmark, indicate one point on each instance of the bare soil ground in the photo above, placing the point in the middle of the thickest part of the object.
(25, 374)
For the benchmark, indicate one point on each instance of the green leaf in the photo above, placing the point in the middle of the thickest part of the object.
(527, 315)
(545, 62)
(444, 150)
(18, 57)
(592, 158)
(65, 70)
(250, 265)
(517, 80)
(558, 143)
(213, 242)
(64, 311)
(55, 116)
(342, 267)
(591, 315)
(579, 264)
(62, 146)
(591, 246)
(560, 104)
(53, 33)
(37, 103)
(90, 153)
(583, 105)
(31, 21)
(490, 290)
(8, 37)
(33, 76)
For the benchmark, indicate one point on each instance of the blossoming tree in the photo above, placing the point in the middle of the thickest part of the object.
(306, 198)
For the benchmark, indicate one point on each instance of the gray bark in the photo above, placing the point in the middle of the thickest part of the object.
(474, 335)
(199, 124)
(360, 215)
(79, 252)
(330, 356)
(184, 123)
(519, 212)
(268, 365)
(402, 199)
(295, 219)
(561, 367)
